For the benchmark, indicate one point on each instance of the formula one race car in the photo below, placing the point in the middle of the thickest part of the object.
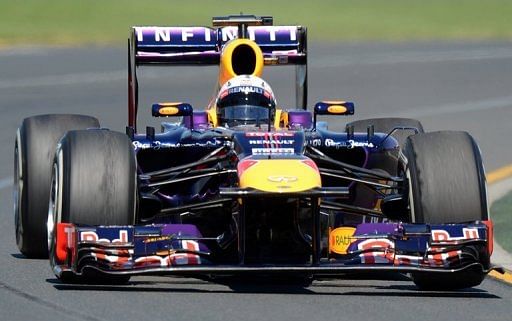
(245, 188)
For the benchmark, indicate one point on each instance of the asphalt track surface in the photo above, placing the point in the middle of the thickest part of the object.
(446, 86)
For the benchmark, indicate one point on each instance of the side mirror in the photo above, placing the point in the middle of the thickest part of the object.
(333, 107)
(171, 109)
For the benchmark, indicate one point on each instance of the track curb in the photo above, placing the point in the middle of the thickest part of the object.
(501, 176)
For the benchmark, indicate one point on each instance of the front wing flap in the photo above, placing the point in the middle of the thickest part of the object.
(180, 249)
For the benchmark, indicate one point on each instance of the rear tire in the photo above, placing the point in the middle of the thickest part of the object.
(386, 125)
(34, 148)
(96, 175)
(447, 185)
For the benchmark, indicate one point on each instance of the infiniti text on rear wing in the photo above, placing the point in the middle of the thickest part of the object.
(203, 45)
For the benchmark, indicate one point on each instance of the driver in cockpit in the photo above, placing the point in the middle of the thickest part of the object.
(245, 101)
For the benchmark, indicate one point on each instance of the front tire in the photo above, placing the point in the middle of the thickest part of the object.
(447, 185)
(99, 171)
(447, 178)
(94, 183)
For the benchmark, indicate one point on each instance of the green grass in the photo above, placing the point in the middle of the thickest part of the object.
(501, 214)
(65, 22)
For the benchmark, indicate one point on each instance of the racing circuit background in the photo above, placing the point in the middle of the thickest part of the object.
(446, 85)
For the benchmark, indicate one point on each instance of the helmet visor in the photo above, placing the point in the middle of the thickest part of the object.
(245, 107)
(244, 114)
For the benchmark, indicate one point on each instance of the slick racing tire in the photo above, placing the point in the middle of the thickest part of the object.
(447, 185)
(447, 179)
(35, 145)
(94, 183)
(386, 125)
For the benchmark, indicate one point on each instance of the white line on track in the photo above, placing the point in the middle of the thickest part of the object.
(412, 57)
(62, 80)
(82, 78)
(477, 105)
(451, 108)
(5, 182)
(18, 51)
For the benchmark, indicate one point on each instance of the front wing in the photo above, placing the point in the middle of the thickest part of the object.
(180, 249)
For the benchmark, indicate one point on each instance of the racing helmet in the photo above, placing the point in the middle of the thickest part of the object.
(245, 100)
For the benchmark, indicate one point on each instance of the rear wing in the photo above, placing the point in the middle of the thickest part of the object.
(179, 46)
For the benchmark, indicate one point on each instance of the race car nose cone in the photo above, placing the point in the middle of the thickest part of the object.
(280, 175)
